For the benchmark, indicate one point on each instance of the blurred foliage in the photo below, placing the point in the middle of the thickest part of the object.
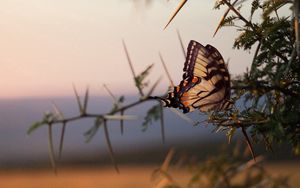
(228, 169)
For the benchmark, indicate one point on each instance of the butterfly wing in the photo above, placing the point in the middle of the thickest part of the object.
(206, 81)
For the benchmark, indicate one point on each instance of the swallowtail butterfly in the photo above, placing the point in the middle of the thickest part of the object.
(206, 81)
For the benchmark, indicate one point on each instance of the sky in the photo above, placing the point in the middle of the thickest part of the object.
(48, 45)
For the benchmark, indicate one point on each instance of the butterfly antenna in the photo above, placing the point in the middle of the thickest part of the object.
(248, 143)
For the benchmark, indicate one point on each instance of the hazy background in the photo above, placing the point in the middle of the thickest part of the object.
(48, 45)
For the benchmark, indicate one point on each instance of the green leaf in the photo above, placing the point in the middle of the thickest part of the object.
(140, 79)
(34, 126)
(230, 133)
(153, 114)
(47, 119)
(89, 134)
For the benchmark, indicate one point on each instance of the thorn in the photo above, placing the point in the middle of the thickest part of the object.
(248, 142)
(78, 99)
(111, 152)
(162, 124)
(181, 43)
(62, 140)
(86, 99)
(122, 123)
(51, 149)
(176, 11)
(166, 69)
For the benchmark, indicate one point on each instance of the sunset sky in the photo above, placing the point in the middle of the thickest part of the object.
(48, 45)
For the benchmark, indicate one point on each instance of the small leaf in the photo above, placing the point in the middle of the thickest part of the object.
(153, 114)
(34, 126)
(140, 79)
(48, 118)
(89, 134)
(121, 99)
(230, 134)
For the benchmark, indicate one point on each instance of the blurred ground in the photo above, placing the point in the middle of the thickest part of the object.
(131, 176)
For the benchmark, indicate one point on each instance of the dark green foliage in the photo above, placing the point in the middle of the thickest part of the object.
(271, 89)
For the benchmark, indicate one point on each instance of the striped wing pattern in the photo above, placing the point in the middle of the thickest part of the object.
(206, 81)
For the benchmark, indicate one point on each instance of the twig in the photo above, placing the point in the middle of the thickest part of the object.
(103, 116)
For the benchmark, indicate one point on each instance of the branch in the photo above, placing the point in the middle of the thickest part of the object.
(258, 85)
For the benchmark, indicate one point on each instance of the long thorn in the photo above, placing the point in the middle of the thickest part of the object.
(154, 86)
(78, 99)
(110, 93)
(51, 148)
(86, 99)
(176, 11)
(248, 142)
(122, 123)
(131, 68)
(111, 151)
(165, 166)
(162, 123)
(223, 18)
(181, 43)
(166, 70)
(61, 143)
(57, 111)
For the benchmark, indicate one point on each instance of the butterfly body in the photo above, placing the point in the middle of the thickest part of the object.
(206, 81)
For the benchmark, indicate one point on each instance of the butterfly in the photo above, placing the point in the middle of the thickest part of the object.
(205, 83)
